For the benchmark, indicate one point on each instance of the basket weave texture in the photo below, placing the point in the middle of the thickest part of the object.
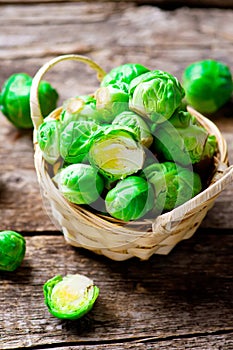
(116, 240)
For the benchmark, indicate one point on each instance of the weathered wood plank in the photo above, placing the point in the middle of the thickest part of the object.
(186, 295)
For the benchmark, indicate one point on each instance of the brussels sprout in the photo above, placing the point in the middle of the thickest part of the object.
(74, 140)
(122, 75)
(79, 183)
(79, 108)
(48, 137)
(15, 96)
(181, 145)
(182, 119)
(111, 101)
(70, 297)
(134, 121)
(12, 250)
(115, 152)
(208, 85)
(156, 95)
(130, 199)
(173, 185)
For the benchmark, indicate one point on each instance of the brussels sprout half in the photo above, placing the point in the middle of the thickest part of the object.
(208, 85)
(15, 96)
(115, 152)
(48, 137)
(173, 185)
(70, 297)
(74, 140)
(156, 95)
(79, 183)
(130, 199)
(12, 250)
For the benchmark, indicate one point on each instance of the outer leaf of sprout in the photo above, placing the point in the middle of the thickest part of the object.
(80, 183)
(208, 85)
(130, 199)
(12, 250)
(74, 140)
(48, 137)
(115, 152)
(70, 297)
(156, 95)
(134, 121)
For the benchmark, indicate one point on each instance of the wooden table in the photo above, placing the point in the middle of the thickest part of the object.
(179, 301)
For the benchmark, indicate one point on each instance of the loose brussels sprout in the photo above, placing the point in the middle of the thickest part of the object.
(111, 101)
(156, 95)
(181, 145)
(12, 250)
(115, 152)
(134, 121)
(79, 183)
(74, 140)
(79, 108)
(130, 199)
(15, 97)
(48, 137)
(173, 185)
(208, 85)
(122, 75)
(70, 297)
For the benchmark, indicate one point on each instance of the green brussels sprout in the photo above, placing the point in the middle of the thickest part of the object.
(79, 108)
(208, 85)
(79, 183)
(182, 119)
(156, 95)
(70, 297)
(74, 140)
(173, 185)
(115, 152)
(122, 75)
(111, 101)
(12, 250)
(15, 99)
(130, 199)
(134, 121)
(182, 145)
(48, 138)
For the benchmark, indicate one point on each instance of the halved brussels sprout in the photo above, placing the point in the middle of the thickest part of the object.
(181, 145)
(79, 108)
(122, 75)
(115, 152)
(74, 140)
(208, 85)
(156, 95)
(79, 183)
(12, 250)
(70, 297)
(48, 137)
(111, 101)
(134, 121)
(173, 185)
(130, 199)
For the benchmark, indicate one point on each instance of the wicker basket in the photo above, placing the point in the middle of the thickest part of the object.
(112, 238)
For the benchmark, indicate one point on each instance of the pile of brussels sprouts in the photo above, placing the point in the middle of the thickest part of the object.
(131, 149)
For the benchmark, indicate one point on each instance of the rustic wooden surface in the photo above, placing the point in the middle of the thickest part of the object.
(179, 301)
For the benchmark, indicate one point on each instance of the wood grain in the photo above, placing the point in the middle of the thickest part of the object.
(141, 304)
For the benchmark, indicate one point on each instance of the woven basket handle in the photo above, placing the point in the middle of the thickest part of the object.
(35, 109)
